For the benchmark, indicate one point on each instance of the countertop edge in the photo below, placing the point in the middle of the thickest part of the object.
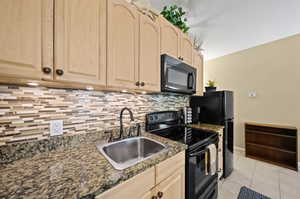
(101, 190)
(208, 127)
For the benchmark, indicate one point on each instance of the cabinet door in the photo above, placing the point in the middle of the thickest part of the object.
(26, 29)
(149, 56)
(123, 28)
(169, 166)
(170, 38)
(174, 186)
(186, 49)
(137, 187)
(80, 41)
(148, 195)
(198, 63)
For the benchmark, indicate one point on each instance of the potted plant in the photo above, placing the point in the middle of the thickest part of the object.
(211, 86)
(175, 15)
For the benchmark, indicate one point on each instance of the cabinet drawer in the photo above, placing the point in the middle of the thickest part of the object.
(134, 188)
(169, 166)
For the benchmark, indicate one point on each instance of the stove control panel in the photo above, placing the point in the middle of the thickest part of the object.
(162, 117)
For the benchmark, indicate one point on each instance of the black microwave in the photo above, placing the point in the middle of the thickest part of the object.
(177, 76)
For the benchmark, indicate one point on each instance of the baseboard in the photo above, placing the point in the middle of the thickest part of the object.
(236, 148)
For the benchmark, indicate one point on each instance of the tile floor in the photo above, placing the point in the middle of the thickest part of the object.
(272, 181)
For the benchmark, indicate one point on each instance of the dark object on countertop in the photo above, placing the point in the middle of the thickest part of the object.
(210, 88)
(275, 144)
(138, 126)
(110, 139)
(246, 193)
(217, 108)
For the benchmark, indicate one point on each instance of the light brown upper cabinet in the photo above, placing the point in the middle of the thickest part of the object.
(174, 42)
(26, 38)
(80, 41)
(198, 63)
(170, 38)
(149, 54)
(122, 49)
(186, 49)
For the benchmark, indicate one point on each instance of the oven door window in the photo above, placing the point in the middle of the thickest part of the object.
(199, 176)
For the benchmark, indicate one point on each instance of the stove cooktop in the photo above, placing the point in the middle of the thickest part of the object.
(185, 135)
(168, 124)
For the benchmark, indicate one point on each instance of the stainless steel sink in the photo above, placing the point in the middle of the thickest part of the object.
(128, 152)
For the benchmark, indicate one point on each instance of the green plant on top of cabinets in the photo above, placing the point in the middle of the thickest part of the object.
(175, 15)
(211, 83)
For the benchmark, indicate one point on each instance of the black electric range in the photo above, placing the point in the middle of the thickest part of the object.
(200, 182)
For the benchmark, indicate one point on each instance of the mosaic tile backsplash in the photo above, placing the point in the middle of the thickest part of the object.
(26, 112)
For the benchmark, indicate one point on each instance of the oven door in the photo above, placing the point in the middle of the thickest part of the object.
(200, 181)
(177, 76)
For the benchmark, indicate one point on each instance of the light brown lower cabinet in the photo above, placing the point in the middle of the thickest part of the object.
(173, 187)
(166, 180)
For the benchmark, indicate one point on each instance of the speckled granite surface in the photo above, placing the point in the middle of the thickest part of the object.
(71, 172)
(209, 127)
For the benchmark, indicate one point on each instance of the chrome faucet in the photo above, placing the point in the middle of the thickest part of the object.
(121, 120)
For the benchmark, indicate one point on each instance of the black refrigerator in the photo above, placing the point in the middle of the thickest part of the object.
(217, 108)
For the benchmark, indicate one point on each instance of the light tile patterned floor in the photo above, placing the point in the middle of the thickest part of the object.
(272, 181)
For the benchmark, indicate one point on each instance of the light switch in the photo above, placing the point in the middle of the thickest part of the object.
(252, 94)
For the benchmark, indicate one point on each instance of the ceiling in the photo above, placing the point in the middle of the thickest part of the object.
(227, 26)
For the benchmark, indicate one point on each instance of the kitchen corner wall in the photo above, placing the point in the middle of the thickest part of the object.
(25, 112)
(272, 71)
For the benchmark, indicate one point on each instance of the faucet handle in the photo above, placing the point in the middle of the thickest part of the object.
(130, 131)
(138, 129)
(110, 139)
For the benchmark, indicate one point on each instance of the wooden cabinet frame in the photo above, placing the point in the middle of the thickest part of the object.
(54, 44)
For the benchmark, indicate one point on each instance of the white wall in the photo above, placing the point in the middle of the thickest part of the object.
(273, 72)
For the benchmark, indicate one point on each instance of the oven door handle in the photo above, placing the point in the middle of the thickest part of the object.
(198, 152)
(207, 163)
(190, 81)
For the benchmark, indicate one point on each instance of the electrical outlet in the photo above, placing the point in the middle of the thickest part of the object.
(56, 127)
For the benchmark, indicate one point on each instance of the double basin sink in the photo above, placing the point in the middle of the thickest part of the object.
(128, 152)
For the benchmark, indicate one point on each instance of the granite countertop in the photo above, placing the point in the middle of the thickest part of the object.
(71, 172)
(208, 127)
